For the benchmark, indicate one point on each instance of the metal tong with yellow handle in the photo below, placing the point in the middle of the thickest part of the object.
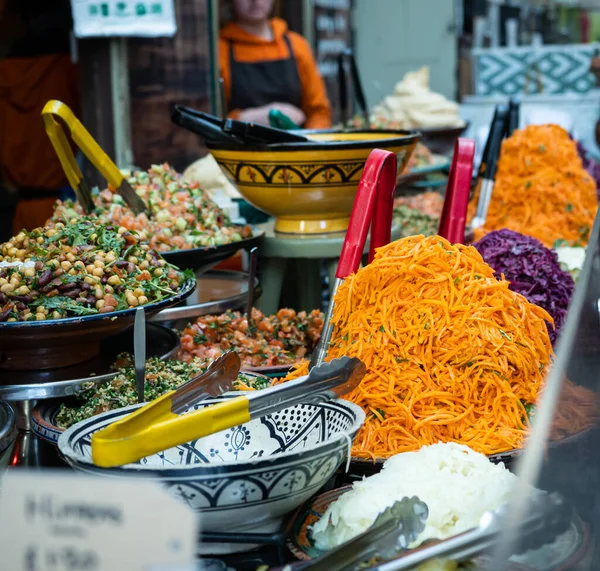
(54, 110)
(214, 381)
(154, 427)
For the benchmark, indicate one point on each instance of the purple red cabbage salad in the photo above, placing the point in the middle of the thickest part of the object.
(532, 270)
(590, 165)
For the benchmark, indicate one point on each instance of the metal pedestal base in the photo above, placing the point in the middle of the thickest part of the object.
(29, 450)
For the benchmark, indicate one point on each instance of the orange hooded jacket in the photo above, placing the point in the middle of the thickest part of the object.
(27, 158)
(249, 48)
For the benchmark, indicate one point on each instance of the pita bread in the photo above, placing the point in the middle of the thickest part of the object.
(209, 175)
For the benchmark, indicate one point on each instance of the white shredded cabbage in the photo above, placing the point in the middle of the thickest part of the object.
(457, 484)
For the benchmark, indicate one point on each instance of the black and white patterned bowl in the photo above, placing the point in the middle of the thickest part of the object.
(245, 478)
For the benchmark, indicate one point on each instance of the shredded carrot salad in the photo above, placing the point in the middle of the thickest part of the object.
(452, 354)
(541, 188)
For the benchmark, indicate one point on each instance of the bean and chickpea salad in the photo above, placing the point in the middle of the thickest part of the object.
(80, 267)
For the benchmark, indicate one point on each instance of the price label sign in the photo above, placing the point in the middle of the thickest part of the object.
(52, 521)
(125, 18)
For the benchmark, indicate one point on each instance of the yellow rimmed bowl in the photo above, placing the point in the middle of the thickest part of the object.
(309, 187)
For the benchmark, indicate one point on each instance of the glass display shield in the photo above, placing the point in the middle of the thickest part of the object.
(563, 452)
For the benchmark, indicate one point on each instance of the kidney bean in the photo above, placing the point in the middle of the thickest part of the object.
(22, 298)
(4, 314)
(21, 306)
(130, 267)
(73, 293)
(68, 286)
(39, 266)
(104, 279)
(45, 278)
(122, 264)
(86, 286)
(3, 298)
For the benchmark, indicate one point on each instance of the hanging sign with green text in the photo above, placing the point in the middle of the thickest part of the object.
(124, 18)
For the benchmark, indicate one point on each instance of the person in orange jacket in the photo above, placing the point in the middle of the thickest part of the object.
(265, 66)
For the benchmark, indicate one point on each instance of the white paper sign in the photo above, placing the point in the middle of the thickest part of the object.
(55, 521)
(145, 18)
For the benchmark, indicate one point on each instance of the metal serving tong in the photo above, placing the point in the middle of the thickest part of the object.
(514, 107)
(372, 208)
(207, 126)
(214, 381)
(489, 163)
(393, 530)
(55, 113)
(456, 201)
(347, 56)
(230, 132)
(139, 352)
(548, 516)
(157, 426)
(254, 134)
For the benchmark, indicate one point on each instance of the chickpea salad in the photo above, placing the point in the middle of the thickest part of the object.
(161, 377)
(281, 339)
(182, 214)
(81, 267)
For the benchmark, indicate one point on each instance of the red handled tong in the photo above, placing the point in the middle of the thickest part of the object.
(454, 214)
(372, 209)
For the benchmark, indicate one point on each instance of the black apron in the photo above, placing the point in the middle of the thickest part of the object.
(261, 83)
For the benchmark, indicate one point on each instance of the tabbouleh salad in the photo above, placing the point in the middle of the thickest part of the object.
(161, 377)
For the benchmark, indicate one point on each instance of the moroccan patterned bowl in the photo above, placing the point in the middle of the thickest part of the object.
(309, 187)
(243, 479)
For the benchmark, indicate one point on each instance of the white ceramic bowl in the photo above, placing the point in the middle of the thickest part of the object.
(242, 479)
